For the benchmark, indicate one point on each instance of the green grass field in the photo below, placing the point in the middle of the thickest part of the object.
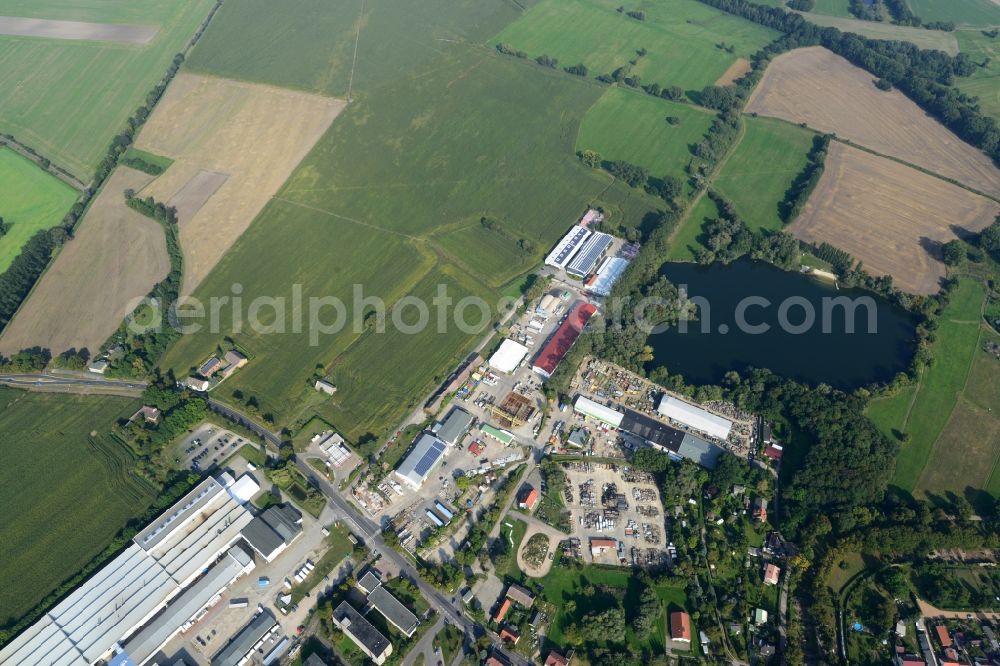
(480, 135)
(310, 44)
(761, 169)
(686, 42)
(630, 125)
(498, 257)
(687, 238)
(832, 8)
(68, 99)
(66, 493)
(925, 39)
(985, 82)
(941, 385)
(969, 12)
(148, 157)
(32, 200)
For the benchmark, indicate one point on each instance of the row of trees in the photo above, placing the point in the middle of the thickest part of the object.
(866, 10)
(16, 282)
(140, 164)
(804, 184)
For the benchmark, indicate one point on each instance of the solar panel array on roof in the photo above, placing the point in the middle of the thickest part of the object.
(590, 253)
(430, 457)
(566, 247)
(427, 452)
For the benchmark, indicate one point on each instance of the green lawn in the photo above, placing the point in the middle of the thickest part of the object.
(940, 387)
(687, 237)
(925, 39)
(985, 82)
(480, 135)
(630, 125)
(68, 99)
(310, 44)
(761, 169)
(970, 12)
(32, 200)
(65, 492)
(686, 42)
(833, 8)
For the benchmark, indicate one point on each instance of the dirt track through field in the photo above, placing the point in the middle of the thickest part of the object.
(118, 255)
(819, 88)
(233, 145)
(890, 216)
(76, 30)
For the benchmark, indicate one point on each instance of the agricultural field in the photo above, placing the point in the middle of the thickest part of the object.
(922, 413)
(891, 217)
(687, 44)
(233, 145)
(833, 8)
(761, 169)
(497, 259)
(921, 37)
(816, 87)
(985, 82)
(67, 488)
(632, 126)
(961, 12)
(687, 237)
(333, 48)
(446, 158)
(117, 256)
(32, 200)
(68, 99)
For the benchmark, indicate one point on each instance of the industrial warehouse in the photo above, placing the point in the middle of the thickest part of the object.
(677, 443)
(582, 250)
(173, 570)
(563, 339)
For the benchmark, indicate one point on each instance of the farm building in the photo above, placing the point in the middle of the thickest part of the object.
(508, 356)
(680, 627)
(333, 445)
(455, 425)
(591, 252)
(567, 246)
(694, 417)
(273, 530)
(610, 270)
(365, 636)
(501, 436)
(393, 610)
(121, 598)
(324, 386)
(427, 452)
(210, 367)
(595, 410)
(232, 361)
(251, 637)
(564, 338)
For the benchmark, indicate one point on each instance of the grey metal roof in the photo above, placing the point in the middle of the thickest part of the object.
(285, 520)
(369, 582)
(393, 610)
(360, 629)
(704, 453)
(426, 453)
(244, 640)
(263, 539)
(454, 426)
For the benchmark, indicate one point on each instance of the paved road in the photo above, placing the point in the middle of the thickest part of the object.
(243, 420)
(72, 383)
(425, 646)
(447, 608)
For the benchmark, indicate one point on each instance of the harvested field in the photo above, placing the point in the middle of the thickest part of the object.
(817, 87)
(890, 216)
(79, 30)
(736, 70)
(233, 145)
(925, 39)
(117, 256)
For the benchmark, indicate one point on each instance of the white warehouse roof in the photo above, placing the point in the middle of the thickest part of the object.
(508, 356)
(567, 247)
(695, 417)
(611, 269)
(244, 488)
(598, 411)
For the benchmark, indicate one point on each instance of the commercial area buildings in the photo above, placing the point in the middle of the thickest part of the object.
(273, 530)
(248, 639)
(591, 251)
(564, 338)
(454, 427)
(393, 610)
(508, 356)
(694, 417)
(427, 453)
(174, 567)
(369, 639)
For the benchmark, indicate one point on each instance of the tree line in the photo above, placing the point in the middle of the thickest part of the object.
(729, 238)
(804, 184)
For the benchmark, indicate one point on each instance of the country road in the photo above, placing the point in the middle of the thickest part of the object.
(73, 383)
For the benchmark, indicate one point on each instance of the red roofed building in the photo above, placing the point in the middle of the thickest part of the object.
(774, 452)
(510, 634)
(599, 545)
(529, 499)
(556, 659)
(502, 613)
(494, 661)
(910, 660)
(942, 635)
(771, 574)
(680, 626)
(563, 338)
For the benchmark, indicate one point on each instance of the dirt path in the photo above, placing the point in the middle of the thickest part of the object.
(928, 611)
(536, 526)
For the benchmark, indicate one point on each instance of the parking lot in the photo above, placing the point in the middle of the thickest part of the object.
(206, 447)
(616, 502)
